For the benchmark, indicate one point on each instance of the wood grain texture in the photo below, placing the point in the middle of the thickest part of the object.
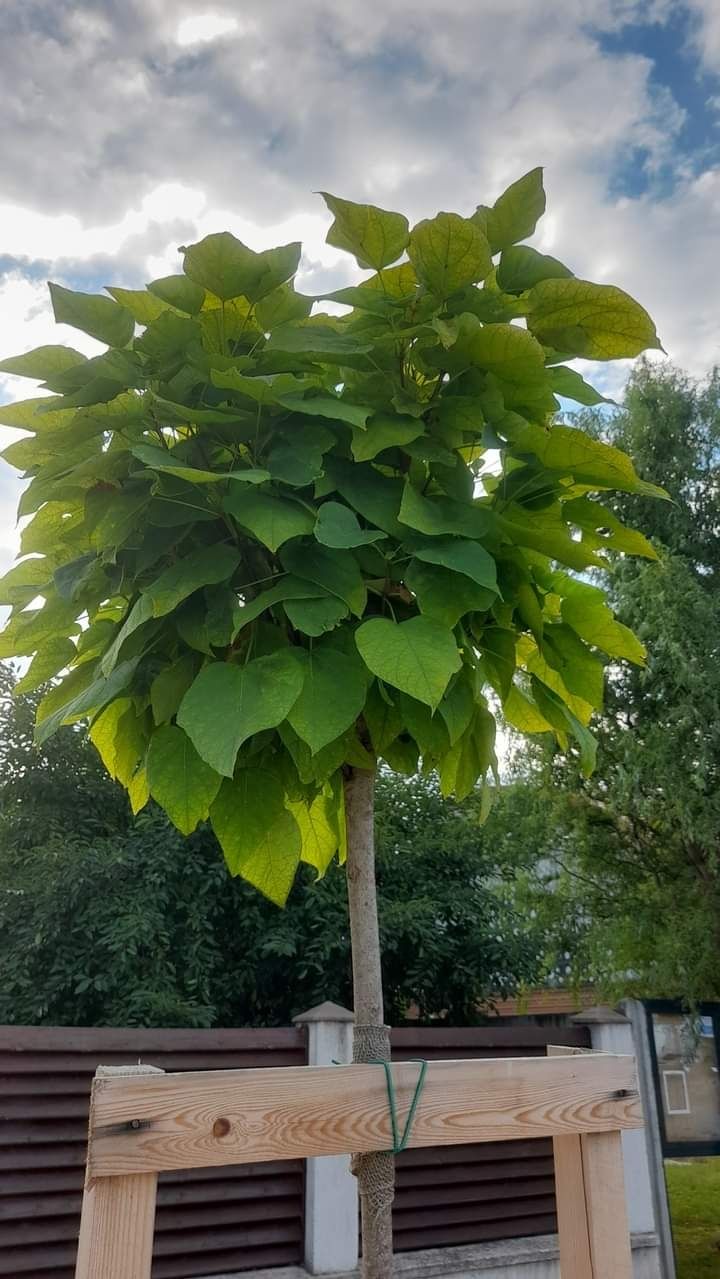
(163, 1122)
(571, 1208)
(117, 1227)
(606, 1208)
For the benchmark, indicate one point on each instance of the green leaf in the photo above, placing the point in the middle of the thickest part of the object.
(563, 720)
(570, 384)
(457, 708)
(448, 252)
(497, 646)
(21, 583)
(446, 595)
(43, 363)
(571, 452)
(595, 321)
(204, 567)
(377, 497)
(582, 673)
(51, 658)
(418, 656)
(383, 718)
(282, 306)
(229, 269)
(545, 531)
(295, 463)
(143, 307)
(225, 705)
(260, 839)
(163, 460)
(337, 526)
(327, 406)
(315, 616)
(287, 588)
(179, 780)
(384, 431)
(585, 610)
(336, 571)
(272, 520)
(522, 713)
(101, 317)
(170, 686)
(332, 697)
(374, 236)
(471, 756)
(515, 214)
(512, 354)
(180, 292)
(522, 267)
(602, 528)
(316, 341)
(319, 822)
(436, 515)
(458, 554)
(89, 699)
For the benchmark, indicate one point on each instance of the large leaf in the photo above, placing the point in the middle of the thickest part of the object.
(101, 317)
(180, 292)
(272, 520)
(287, 588)
(336, 571)
(315, 616)
(584, 609)
(329, 406)
(418, 656)
(377, 497)
(570, 383)
(43, 362)
(179, 780)
(229, 269)
(337, 526)
(332, 696)
(447, 252)
(319, 820)
(384, 431)
(318, 340)
(515, 214)
(438, 515)
(375, 236)
(204, 567)
(446, 595)
(170, 686)
(510, 353)
(52, 657)
(601, 527)
(459, 554)
(143, 307)
(259, 837)
(521, 267)
(571, 452)
(225, 705)
(596, 321)
(91, 697)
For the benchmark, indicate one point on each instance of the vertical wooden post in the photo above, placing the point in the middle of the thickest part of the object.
(604, 1179)
(118, 1213)
(593, 1231)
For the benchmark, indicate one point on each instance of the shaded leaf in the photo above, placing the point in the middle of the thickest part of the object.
(272, 520)
(418, 656)
(179, 780)
(260, 839)
(596, 321)
(101, 317)
(332, 697)
(375, 236)
(337, 526)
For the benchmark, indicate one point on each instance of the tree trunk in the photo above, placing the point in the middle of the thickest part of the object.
(375, 1172)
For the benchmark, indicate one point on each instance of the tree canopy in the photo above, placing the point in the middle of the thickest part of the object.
(269, 544)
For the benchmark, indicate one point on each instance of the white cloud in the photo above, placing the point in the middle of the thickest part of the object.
(201, 28)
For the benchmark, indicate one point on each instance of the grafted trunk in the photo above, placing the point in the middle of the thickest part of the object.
(375, 1172)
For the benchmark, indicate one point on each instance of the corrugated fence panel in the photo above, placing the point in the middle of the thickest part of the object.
(468, 1194)
(208, 1222)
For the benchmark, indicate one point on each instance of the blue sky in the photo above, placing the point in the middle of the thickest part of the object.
(134, 126)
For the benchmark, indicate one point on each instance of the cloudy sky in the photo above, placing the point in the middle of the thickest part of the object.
(134, 126)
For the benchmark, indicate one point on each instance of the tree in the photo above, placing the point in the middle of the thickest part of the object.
(639, 842)
(270, 520)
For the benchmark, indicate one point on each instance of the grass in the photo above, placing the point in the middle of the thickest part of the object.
(694, 1192)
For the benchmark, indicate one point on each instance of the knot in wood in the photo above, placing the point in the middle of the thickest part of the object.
(221, 1127)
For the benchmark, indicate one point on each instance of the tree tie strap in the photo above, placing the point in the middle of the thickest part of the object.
(400, 1143)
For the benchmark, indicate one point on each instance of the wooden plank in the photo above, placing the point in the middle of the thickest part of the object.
(571, 1206)
(117, 1227)
(160, 1122)
(606, 1208)
(481, 1037)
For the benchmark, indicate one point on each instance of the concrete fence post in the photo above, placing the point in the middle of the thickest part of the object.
(611, 1031)
(331, 1198)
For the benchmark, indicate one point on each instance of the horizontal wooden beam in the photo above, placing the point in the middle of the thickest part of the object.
(214, 1118)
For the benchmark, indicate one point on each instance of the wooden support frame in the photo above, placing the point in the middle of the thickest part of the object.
(143, 1122)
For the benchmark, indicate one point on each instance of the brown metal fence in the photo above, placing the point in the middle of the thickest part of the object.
(220, 1220)
(467, 1194)
(208, 1221)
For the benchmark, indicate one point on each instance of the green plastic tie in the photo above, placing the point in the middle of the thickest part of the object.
(400, 1143)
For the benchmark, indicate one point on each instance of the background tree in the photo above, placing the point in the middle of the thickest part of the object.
(637, 846)
(110, 920)
(271, 521)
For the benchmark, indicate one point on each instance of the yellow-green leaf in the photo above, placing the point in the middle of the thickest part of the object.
(596, 321)
(179, 780)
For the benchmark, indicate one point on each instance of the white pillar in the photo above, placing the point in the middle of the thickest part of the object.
(612, 1032)
(331, 1197)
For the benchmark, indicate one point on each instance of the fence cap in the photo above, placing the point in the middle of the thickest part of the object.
(600, 1015)
(328, 1011)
